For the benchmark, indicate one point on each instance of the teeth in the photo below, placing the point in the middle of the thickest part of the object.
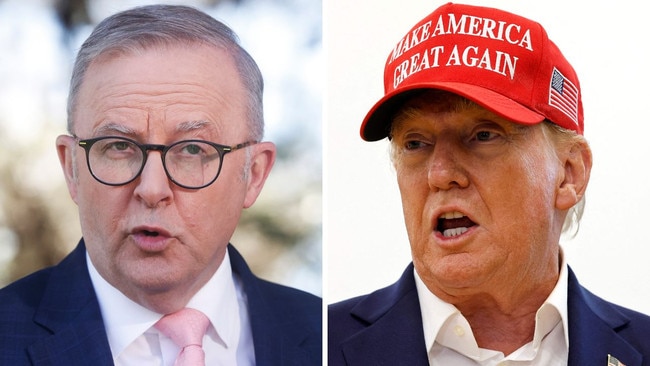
(449, 233)
(452, 215)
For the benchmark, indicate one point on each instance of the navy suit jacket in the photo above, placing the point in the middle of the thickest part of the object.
(52, 317)
(385, 328)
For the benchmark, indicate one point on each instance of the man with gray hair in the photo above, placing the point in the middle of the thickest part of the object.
(164, 152)
(485, 121)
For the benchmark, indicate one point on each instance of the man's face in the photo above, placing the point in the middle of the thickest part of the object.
(479, 196)
(155, 241)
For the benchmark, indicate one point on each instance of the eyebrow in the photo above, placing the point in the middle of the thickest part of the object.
(115, 127)
(189, 126)
(182, 127)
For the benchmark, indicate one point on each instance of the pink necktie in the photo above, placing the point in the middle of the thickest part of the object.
(186, 328)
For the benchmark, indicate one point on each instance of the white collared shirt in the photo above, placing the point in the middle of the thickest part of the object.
(450, 341)
(134, 340)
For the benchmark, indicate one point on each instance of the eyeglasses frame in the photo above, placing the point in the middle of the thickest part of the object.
(87, 144)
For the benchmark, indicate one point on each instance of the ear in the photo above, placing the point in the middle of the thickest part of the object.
(64, 147)
(577, 169)
(262, 159)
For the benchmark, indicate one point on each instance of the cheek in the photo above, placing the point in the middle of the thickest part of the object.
(101, 207)
(414, 192)
(196, 211)
(209, 215)
(528, 173)
(541, 179)
(526, 194)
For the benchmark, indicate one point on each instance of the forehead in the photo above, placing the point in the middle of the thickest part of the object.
(422, 106)
(436, 101)
(172, 83)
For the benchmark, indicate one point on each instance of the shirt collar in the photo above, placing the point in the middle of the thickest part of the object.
(444, 322)
(126, 320)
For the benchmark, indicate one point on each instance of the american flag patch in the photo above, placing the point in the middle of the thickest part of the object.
(612, 361)
(563, 95)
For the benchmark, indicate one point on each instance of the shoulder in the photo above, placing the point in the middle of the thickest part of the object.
(19, 303)
(580, 297)
(290, 299)
(341, 320)
(275, 299)
(372, 306)
(637, 331)
(590, 316)
(69, 276)
(633, 324)
(286, 322)
(377, 325)
(342, 310)
(354, 314)
(23, 295)
(49, 289)
(638, 320)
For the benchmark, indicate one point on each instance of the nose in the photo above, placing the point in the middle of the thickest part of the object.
(152, 186)
(445, 167)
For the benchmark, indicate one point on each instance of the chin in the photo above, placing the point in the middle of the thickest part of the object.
(453, 271)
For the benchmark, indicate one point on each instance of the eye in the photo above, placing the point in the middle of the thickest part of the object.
(192, 149)
(112, 146)
(119, 145)
(413, 141)
(485, 136)
(413, 145)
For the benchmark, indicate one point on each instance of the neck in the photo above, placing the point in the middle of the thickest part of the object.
(505, 324)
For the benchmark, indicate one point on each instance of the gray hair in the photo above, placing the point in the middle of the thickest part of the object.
(146, 27)
(561, 135)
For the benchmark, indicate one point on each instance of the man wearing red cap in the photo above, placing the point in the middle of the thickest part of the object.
(485, 119)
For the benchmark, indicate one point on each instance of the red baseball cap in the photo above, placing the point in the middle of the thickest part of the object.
(501, 61)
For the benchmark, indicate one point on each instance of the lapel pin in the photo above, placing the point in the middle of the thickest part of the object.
(613, 361)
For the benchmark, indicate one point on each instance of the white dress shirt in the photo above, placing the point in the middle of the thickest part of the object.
(135, 342)
(450, 341)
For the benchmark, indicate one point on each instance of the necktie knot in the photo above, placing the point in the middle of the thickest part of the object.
(185, 328)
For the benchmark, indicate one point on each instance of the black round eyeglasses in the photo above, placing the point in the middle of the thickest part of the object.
(192, 164)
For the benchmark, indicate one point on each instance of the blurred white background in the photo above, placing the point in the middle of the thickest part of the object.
(365, 240)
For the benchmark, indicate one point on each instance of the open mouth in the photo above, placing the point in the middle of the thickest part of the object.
(151, 239)
(149, 233)
(451, 224)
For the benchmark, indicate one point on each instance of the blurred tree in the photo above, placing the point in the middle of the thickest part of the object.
(72, 13)
(36, 230)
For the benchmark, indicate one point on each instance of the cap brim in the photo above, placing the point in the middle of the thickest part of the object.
(376, 125)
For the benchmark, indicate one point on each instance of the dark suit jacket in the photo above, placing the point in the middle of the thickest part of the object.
(52, 317)
(385, 328)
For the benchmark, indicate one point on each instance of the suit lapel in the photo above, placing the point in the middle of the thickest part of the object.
(593, 325)
(277, 339)
(70, 311)
(394, 334)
